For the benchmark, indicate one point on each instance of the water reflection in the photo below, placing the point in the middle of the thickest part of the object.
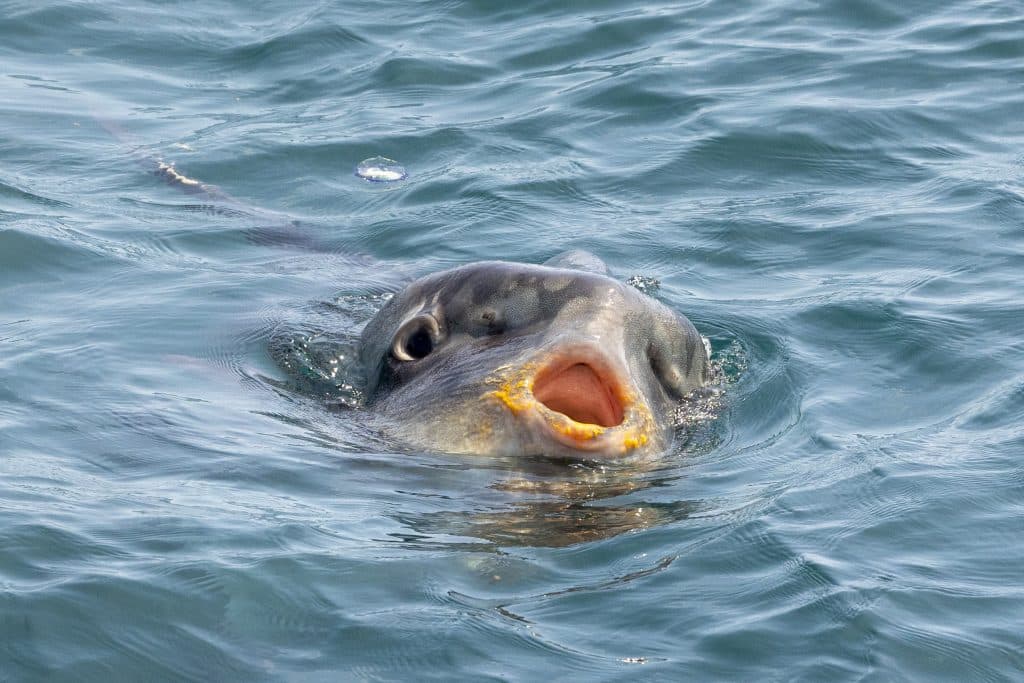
(552, 524)
(544, 503)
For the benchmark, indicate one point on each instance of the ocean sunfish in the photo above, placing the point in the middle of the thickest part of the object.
(510, 359)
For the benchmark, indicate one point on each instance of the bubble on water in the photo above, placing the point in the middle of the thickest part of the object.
(381, 170)
(647, 285)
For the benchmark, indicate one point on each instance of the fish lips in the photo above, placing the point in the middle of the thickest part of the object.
(578, 401)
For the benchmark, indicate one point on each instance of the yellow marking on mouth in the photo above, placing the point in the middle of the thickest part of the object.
(580, 431)
(631, 441)
(515, 395)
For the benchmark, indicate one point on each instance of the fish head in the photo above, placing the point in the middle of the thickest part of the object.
(511, 359)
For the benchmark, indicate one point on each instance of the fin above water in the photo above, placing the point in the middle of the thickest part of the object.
(578, 259)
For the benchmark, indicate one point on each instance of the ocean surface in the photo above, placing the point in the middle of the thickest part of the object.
(190, 490)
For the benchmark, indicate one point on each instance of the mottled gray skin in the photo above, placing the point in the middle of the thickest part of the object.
(452, 358)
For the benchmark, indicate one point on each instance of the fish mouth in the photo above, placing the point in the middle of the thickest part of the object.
(581, 392)
(576, 401)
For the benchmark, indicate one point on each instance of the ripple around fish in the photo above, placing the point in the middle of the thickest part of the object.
(764, 401)
(400, 651)
(316, 346)
(506, 614)
(384, 638)
(531, 650)
(322, 367)
(870, 503)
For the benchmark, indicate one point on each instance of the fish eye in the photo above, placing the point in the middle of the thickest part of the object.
(416, 339)
(419, 344)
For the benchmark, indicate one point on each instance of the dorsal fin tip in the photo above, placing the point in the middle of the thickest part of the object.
(578, 259)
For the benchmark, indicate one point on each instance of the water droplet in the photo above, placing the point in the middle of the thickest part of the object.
(381, 170)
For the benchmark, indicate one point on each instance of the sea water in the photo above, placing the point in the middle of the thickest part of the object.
(190, 490)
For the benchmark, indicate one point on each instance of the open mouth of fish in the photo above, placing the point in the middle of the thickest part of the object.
(578, 400)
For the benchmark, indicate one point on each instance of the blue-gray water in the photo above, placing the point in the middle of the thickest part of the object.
(833, 192)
